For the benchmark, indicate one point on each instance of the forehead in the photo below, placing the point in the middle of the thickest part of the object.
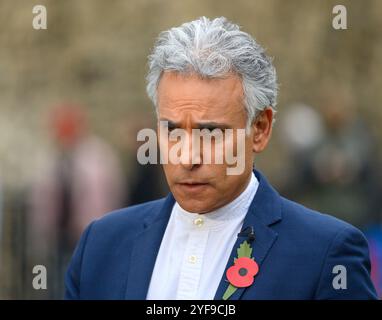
(185, 95)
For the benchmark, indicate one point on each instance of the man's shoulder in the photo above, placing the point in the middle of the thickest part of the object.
(314, 244)
(128, 218)
(312, 223)
(299, 222)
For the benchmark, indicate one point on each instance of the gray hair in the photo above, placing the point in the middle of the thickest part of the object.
(213, 49)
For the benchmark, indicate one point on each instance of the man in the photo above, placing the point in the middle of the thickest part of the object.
(217, 235)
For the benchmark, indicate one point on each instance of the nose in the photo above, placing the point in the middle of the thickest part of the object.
(190, 158)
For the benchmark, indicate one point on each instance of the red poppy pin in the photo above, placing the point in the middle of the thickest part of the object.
(242, 273)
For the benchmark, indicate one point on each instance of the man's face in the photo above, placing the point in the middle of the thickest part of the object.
(189, 102)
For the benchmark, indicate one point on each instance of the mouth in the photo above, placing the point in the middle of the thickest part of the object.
(191, 186)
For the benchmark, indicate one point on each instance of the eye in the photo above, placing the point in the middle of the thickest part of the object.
(169, 128)
(210, 129)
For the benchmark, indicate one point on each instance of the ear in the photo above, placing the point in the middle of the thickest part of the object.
(262, 130)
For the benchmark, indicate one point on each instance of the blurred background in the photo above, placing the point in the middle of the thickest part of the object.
(72, 99)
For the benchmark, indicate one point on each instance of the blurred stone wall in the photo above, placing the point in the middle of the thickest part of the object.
(94, 53)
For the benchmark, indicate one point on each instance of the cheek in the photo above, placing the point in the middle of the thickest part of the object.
(222, 182)
(230, 183)
(169, 172)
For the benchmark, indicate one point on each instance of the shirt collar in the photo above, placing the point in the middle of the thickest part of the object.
(236, 209)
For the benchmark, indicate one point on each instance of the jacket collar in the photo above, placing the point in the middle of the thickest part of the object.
(145, 250)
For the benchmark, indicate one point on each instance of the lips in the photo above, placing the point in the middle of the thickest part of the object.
(191, 186)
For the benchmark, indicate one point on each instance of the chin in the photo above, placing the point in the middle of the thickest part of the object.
(195, 206)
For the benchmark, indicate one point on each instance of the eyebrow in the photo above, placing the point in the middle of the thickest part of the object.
(210, 125)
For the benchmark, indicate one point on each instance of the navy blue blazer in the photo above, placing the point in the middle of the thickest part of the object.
(296, 250)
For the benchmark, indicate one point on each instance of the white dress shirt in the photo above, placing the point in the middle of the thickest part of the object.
(195, 249)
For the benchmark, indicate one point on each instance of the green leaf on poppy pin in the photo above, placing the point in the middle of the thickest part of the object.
(229, 292)
(244, 250)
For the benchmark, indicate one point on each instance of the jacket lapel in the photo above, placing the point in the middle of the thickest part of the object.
(264, 211)
(144, 252)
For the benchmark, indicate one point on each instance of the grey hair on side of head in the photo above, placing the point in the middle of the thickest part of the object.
(213, 49)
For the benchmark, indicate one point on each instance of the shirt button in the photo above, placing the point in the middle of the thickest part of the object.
(198, 222)
(192, 259)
